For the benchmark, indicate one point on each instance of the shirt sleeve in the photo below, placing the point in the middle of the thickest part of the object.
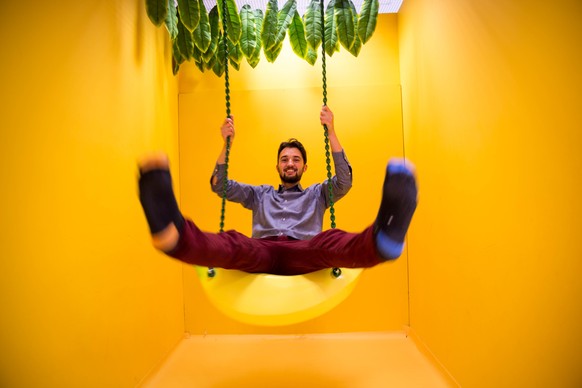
(341, 183)
(235, 191)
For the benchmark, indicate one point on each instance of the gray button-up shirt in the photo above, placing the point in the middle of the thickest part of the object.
(294, 212)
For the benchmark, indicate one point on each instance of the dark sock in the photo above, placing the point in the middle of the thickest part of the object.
(398, 205)
(157, 199)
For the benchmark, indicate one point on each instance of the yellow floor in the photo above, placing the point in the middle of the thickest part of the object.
(367, 360)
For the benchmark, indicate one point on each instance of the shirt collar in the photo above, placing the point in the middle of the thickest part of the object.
(297, 187)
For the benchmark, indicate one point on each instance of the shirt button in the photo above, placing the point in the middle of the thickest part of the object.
(283, 219)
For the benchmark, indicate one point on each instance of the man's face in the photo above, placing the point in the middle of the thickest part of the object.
(291, 166)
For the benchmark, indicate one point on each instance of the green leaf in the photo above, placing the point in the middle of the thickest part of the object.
(357, 46)
(198, 59)
(202, 34)
(220, 51)
(176, 54)
(218, 67)
(255, 57)
(210, 64)
(284, 18)
(157, 10)
(185, 41)
(234, 53)
(233, 22)
(172, 20)
(175, 67)
(346, 25)
(248, 38)
(331, 38)
(234, 28)
(367, 20)
(259, 17)
(312, 19)
(297, 36)
(269, 30)
(311, 56)
(273, 53)
(189, 11)
(214, 33)
(253, 61)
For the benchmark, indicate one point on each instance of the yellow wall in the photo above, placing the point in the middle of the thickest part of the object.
(86, 88)
(492, 94)
(282, 100)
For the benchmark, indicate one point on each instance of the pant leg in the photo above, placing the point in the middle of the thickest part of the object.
(332, 248)
(230, 250)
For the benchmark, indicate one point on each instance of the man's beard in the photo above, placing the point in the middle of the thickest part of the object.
(290, 179)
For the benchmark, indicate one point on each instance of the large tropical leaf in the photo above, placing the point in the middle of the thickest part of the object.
(357, 46)
(172, 20)
(234, 53)
(311, 56)
(331, 38)
(312, 21)
(219, 63)
(273, 52)
(269, 29)
(157, 10)
(346, 24)
(284, 18)
(176, 54)
(189, 11)
(214, 32)
(233, 23)
(202, 34)
(185, 41)
(210, 64)
(218, 68)
(256, 55)
(248, 38)
(198, 59)
(367, 20)
(175, 67)
(297, 36)
(253, 61)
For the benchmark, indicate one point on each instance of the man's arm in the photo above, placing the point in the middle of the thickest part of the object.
(326, 118)
(226, 130)
(236, 192)
(342, 181)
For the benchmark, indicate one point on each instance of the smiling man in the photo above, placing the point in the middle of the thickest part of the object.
(287, 221)
(289, 212)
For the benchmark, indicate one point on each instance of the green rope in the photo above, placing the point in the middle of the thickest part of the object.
(335, 272)
(325, 130)
(227, 98)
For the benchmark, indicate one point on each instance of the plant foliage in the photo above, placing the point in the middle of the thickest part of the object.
(197, 34)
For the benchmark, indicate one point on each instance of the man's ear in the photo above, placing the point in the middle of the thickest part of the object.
(304, 167)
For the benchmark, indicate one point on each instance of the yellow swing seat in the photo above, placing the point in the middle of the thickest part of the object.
(274, 300)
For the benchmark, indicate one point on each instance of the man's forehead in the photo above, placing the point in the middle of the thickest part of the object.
(290, 152)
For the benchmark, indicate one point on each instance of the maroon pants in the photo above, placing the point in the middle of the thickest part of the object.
(233, 250)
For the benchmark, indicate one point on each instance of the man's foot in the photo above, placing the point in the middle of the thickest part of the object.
(398, 204)
(159, 204)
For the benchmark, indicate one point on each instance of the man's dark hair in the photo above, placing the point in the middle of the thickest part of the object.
(293, 143)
